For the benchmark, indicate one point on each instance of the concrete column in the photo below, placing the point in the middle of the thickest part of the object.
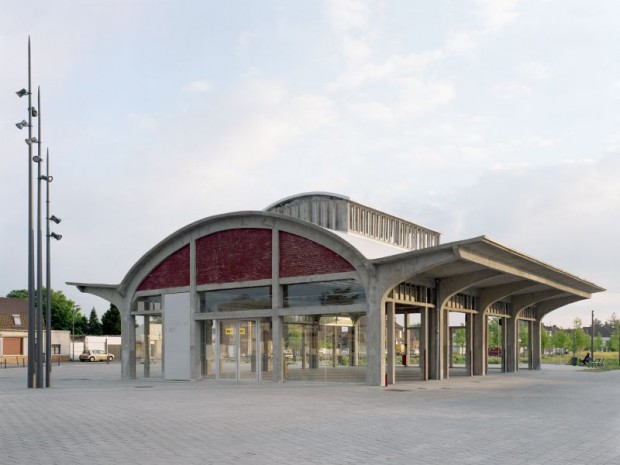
(480, 344)
(530, 345)
(446, 339)
(276, 334)
(423, 346)
(469, 339)
(406, 338)
(535, 343)
(303, 347)
(352, 343)
(128, 342)
(146, 350)
(195, 347)
(277, 322)
(436, 332)
(334, 346)
(510, 337)
(375, 342)
(391, 342)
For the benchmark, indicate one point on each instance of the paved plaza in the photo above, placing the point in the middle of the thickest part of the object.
(560, 415)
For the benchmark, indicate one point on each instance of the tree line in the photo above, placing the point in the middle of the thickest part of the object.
(66, 315)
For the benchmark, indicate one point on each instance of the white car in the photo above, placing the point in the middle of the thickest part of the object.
(96, 356)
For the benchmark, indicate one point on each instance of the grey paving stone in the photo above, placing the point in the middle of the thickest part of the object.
(559, 415)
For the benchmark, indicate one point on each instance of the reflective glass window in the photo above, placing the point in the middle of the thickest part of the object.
(341, 292)
(226, 300)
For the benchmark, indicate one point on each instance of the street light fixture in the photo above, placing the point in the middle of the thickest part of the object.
(32, 140)
(54, 218)
(22, 124)
(32, 374)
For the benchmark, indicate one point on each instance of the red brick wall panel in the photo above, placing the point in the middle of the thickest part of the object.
(173, 271)
(302, 257)
(234, 255)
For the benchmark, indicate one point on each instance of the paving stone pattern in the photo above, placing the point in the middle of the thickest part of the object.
(560, 415)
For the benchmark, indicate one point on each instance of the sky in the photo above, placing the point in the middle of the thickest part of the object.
(470, 117)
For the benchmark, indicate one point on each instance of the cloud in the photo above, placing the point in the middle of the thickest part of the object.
(201, 86)
(510, 90)
(245, 40)
(497, 14)
(536, 70)
(463, 42)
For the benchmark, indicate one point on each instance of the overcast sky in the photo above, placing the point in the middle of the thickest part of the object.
(496, 118)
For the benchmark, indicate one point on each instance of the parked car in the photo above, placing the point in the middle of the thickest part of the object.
(495, 351)
(96, 356)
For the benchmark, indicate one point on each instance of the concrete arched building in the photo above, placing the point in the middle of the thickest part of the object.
(311, 289)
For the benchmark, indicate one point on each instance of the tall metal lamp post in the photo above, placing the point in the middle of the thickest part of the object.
(48, 323)
(35, 316)
(31, 286)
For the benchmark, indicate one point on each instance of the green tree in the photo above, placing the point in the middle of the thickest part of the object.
(524, 337)
(18, 294)
(495, 333)
(581, 340)
(561, 340)
(598, 342)
(458, 339)
(64, 311)
(94, 326)
(545, 340)
(111, 321)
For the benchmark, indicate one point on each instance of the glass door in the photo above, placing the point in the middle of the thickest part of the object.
(237, 350)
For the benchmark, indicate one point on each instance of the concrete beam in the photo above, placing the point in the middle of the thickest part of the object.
(455, 284)
(489, 295)
(522, 301)
(543, 308)
(508, 269)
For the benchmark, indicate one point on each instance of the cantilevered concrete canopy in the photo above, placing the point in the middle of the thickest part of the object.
(326, 241)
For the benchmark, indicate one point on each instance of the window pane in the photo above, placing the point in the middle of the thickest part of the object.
(226, 300)
(342, 292)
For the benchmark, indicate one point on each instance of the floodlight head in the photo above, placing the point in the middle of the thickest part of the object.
(32, 140)
(21, 93)
(22, 124)
(46, 178)
(37, 159)
(55, 219)
(56, 236)
(34, 112)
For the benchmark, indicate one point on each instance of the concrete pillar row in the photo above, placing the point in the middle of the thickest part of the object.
(469, 340)
(391, 342)
(423, 348)
(479, 331)
(510, 327)
(436, 335)
(535, 342)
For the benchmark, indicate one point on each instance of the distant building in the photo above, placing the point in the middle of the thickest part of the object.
(309, 288)
(14, 333)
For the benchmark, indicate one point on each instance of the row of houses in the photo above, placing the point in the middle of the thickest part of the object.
(14, 337)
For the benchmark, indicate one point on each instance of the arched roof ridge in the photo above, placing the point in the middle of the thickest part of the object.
(306, 194)
(184, 236)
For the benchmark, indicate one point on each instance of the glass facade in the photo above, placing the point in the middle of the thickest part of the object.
(237, 350)
(328, 348)
(340, 292)
(225, 300)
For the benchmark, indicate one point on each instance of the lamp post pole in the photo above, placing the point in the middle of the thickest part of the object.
(592, 336)
(31, 311)
(38, 160)
(73, 335)
(48, 322)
